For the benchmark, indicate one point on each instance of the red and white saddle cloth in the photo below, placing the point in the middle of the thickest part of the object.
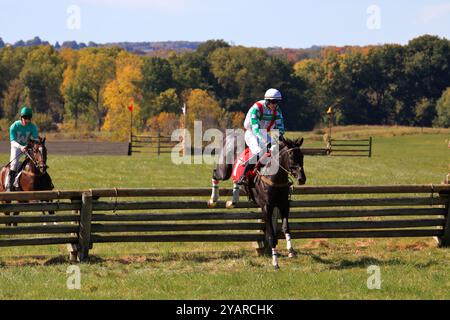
(239, 166)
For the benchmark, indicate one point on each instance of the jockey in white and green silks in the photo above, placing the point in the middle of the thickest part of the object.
(263, 116)
(20, 134)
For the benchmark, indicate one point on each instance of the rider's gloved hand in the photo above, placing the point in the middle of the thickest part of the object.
(272, 148)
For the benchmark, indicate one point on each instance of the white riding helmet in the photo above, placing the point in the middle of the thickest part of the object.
(273, 94)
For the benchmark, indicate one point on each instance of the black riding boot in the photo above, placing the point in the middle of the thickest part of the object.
(12, 178)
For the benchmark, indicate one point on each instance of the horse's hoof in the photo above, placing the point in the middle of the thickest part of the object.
(292, 254)
(276, 267)
(212, 204)
(230, 205)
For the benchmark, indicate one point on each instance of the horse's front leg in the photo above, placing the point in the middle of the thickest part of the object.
(285, 228)
(15, 224)
(7, 224)
(51, 212)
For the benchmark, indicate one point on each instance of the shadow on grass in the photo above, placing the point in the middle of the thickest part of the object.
(167, 257)
(363, 262)
(163, 257)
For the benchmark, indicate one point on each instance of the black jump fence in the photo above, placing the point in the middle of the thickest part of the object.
(343, 148)
(86, 218)
(157, 144)
(153, 144)
(351, 148)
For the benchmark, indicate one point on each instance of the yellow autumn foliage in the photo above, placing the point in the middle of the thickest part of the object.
(203, 107)
(121, 93)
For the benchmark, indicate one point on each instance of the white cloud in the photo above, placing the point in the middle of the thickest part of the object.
(434, 12)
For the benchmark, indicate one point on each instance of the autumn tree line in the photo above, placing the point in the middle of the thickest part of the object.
(92, 88)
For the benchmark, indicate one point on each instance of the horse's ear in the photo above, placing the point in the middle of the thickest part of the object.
(43, 140)
(301, 142)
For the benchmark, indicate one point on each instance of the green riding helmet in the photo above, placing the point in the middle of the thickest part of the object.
(26, 112)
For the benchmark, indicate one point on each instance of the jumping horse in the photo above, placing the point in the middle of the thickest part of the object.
(269, 190)
(32, 174)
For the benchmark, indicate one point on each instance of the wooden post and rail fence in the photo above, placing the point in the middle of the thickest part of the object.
(343, 148)
(85, 218)
(157, 144)
(152, 144)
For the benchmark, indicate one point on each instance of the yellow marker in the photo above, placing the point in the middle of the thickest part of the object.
(330, 110)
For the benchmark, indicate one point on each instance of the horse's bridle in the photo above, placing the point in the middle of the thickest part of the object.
(278, 185)
(38, 166)
(284, 169)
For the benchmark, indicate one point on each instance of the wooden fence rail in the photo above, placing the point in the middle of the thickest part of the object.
(153, 144)
(87, 217)
(157, 144)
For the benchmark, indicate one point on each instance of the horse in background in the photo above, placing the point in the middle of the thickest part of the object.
(32, 174)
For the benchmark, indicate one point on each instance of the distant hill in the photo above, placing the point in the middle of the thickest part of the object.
(163, 48)
(136, 47)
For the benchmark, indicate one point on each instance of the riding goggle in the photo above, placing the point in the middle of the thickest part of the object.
(274, 101)
(26, 118)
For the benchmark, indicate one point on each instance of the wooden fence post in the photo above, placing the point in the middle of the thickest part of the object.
(84, 236)
(444, 241)
(73, 247)
(130, 147)
(370, 147)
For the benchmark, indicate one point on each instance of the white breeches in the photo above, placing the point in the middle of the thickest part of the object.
(14, 158)
(254, 143)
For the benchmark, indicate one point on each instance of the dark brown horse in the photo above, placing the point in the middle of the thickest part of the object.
(270, 190)
(33, 175)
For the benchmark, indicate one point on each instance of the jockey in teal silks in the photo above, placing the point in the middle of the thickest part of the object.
(263, 116)
(20, 134)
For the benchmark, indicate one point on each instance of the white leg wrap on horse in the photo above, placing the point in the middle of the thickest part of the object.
(274, 257)
(236, 191)
(288, 241)
(215, 190)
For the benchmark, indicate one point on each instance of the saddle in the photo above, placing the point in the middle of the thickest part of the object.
(239, 168)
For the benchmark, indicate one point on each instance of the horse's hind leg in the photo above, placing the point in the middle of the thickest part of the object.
(214, 194)
(236, 190)
(271, 235)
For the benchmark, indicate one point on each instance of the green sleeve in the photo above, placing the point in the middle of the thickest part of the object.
(279, 122)
(255, 116)
(12, 132)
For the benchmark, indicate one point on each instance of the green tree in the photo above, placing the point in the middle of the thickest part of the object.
(85, 82)
(427, 71)
(42, 76)
(157, 75)
(443, 110)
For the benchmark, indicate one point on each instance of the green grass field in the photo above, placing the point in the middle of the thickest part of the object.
(324, 269)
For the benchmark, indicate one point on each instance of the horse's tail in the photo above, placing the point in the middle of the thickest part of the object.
(223, 172)
(227, 156)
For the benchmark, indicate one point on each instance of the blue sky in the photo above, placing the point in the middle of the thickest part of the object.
(260, 23)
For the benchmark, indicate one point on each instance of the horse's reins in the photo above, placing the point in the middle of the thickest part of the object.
(279, 185)
(32, 160)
